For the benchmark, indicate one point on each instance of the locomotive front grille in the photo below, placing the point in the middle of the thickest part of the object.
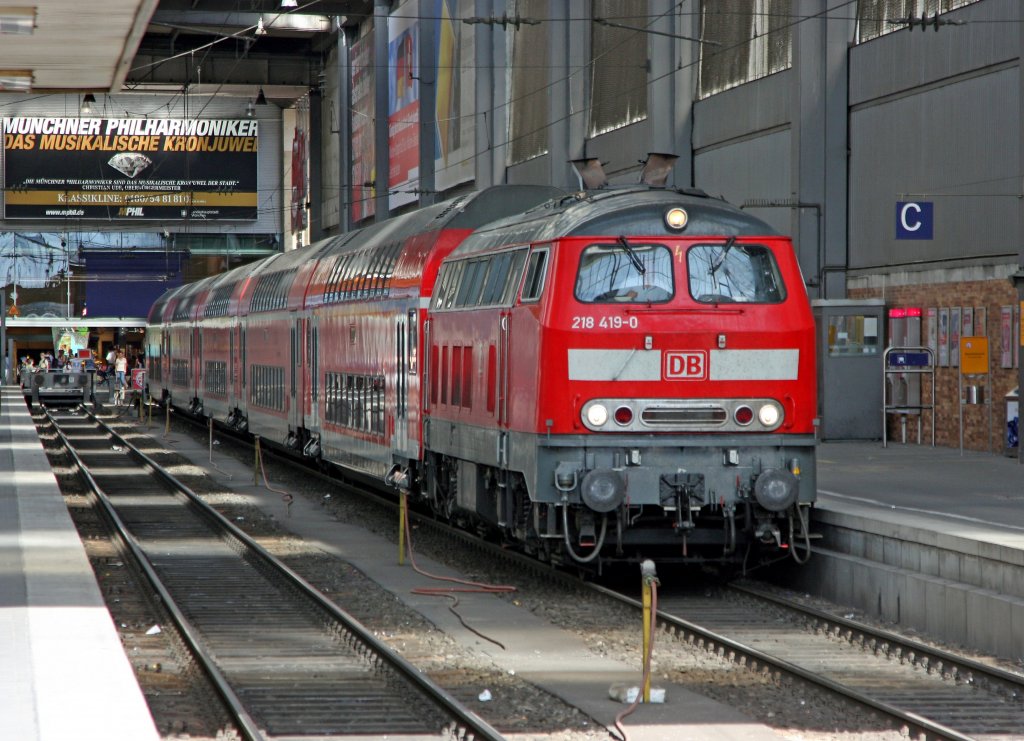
(684, 416)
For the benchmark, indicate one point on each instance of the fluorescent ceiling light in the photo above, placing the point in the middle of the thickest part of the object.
(15, 80)
(289, 3)
(20, 21)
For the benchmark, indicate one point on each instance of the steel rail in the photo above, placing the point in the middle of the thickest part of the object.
(247, 725)
(469, 722)
(916, 723)
(949, 662)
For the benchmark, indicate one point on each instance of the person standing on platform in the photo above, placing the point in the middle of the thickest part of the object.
(27, 369)
(120, 369)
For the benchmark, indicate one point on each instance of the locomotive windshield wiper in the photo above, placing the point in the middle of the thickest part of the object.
(632, 255)
(721, 256)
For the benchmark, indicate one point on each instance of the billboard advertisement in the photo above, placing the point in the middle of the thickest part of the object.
(130, 168)
(454, 106)
(403, 105)
(364, 173)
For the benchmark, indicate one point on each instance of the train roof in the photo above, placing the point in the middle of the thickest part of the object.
(638, 210)
(274, 275)
(469, 211)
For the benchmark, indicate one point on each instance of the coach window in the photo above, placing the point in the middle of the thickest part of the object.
(625, 272)
(340, 280)
(734, 273)
(536, 271)
(375, 273)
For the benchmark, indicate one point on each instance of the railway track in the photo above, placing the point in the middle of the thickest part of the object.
(930, 692)
(286, 661)
(927, 692)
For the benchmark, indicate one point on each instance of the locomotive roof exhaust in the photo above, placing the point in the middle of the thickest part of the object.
(590, 173)
(657, 167)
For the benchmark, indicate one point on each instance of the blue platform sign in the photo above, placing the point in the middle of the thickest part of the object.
(914, 219)
(909, 360)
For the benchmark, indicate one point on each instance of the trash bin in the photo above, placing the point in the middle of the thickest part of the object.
(1012, 421)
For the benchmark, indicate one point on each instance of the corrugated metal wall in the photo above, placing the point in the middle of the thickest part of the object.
(935, 118)
(954, 146)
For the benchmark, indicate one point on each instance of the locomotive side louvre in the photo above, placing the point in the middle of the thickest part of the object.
(634, 420)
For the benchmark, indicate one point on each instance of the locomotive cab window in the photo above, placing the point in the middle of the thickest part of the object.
(625, 272)
(734, 273)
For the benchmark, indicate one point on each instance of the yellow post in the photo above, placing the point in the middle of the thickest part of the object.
(650, 578)
(256, 463)
(403, 514)
(647, 639)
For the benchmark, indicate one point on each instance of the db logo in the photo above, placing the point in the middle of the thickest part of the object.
(689, 365)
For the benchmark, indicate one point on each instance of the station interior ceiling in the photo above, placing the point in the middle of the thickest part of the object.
(230, 47)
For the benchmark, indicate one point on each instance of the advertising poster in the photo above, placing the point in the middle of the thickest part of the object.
(299, 180)
(403, 105)
(364, 172)
(954, 337)
(1006, 337)
(943, 338)
(967, 322)
(454, 107)
(933, 332)
(1017, 333)
(980, 321)
(69, 340)
(130, 168)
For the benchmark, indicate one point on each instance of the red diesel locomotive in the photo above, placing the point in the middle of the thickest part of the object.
(602, 376)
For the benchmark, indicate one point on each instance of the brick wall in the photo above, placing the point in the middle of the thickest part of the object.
(993, 295)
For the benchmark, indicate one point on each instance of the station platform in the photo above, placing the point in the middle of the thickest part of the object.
(65, 674)
(974, 492)
(929, 539)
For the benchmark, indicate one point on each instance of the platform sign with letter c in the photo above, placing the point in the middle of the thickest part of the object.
(914, 219)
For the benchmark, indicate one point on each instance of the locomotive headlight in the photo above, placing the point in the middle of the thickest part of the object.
(769, 415)
(676, 218)
(596, 415)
